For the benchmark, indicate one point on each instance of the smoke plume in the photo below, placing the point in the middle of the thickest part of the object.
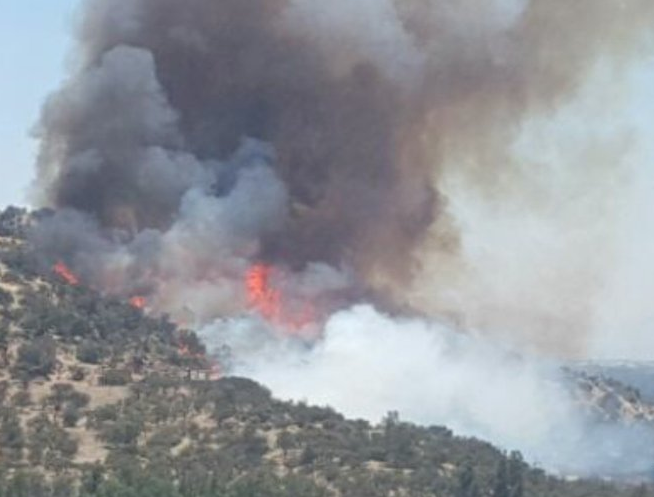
(467, 162)
(368, 364)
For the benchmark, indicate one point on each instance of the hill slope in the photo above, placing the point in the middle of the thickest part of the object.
(100, 400)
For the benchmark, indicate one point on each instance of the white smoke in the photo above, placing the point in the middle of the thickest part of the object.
(368, 364)
(623, 317)
(555, 254)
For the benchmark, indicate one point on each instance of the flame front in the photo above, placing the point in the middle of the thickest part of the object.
(64, 272)
(261, 296)
(273, 305)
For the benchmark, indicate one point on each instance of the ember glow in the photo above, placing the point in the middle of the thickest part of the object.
(64, 272)
(138, 302)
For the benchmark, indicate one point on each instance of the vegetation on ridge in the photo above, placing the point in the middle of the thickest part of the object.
(98, 399)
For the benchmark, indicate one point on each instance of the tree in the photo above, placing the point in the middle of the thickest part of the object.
(27, 484)
(49, 445)
(285, 441)
(92, 478)
(515, 471)
(63, 486)
(4, 342)
(11, 433)
(64, 398)
(6, 299)
(501, 484)
(509, 476)
(115, 378)
(90, 352)
(125, 431)
(4, 389)
(36, 358)
(467, 483)
(398, 442)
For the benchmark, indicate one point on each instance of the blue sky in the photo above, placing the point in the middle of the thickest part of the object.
(34, 40)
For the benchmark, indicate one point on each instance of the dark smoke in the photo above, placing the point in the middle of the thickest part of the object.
(363, 104)
(182, 83)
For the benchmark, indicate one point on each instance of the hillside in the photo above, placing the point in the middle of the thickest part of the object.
(99, 399)
(639, 374)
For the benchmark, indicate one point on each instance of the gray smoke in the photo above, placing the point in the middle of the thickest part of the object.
(417, 154)
(368, 364)
(361, 102)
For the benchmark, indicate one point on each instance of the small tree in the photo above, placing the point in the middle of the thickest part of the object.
(116, 378)
(12, 439)
(516, 467)
(37, 358)
(4, 342)
(501, 485)
(467, 483)
(6, 299)
(285, 441)
(65, 396)
(90, 352)
(49, 445)
(509, 479)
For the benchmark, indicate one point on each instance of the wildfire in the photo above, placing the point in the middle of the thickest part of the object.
(138, 302)
(64, 272)
(268, 301)
(213, 366)
(261, 296)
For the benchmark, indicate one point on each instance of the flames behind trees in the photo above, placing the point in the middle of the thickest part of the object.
(261, 296)
(138, 302)
(272, 304)
(65, 273)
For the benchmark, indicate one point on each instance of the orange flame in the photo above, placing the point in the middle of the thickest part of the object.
(261, 296)
(64, 272)
(138, 302)
(268, 301)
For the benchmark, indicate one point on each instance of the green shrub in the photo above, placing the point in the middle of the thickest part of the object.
(115, 378)
(90, 352)
(36, 358)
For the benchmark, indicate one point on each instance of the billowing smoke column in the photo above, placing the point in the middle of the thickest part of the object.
(300, 134)
(216, 159)
(167, 93)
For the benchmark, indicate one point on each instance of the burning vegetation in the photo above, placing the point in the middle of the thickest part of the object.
(138, 302)
(261, 296)
(269, 301)
(65, 273)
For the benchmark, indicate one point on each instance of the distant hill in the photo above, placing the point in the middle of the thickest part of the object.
(98, 399)
(637, 374)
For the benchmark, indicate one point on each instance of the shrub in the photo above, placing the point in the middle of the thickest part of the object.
(115, 378)
(90, 352)
(36, 358)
